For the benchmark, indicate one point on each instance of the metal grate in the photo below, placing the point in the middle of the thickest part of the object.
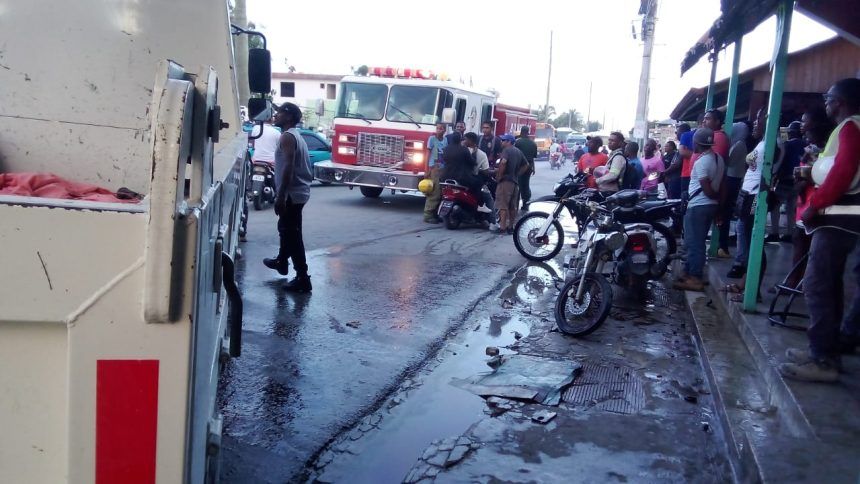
(612, 388)
(383, 150)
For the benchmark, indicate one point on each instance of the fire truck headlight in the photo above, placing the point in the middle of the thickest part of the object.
(416, 157)
(345, 150)
(346, 138)
(338, 175)
(416, 145)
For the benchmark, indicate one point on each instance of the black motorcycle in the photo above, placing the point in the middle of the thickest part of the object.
(261, 189)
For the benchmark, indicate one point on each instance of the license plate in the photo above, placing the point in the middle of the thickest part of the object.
(639, 258)
(258, 177)
(445, 208)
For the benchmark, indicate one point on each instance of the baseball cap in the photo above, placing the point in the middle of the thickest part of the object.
(704, 137)
(289, 108)
(507, 137)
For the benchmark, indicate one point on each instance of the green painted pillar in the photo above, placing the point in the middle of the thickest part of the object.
(771, 131)
(733, 88)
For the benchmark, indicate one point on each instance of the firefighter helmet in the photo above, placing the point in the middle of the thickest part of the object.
(425, 186)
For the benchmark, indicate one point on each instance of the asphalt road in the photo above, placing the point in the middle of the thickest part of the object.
(388, 291)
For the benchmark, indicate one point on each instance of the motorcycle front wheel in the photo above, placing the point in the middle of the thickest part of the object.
(537, 248)
(582, 318)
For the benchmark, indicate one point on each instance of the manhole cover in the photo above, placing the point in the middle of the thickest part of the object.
(611, 388)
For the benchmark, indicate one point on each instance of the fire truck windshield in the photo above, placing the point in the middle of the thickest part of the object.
(412, 104)
(362, 101)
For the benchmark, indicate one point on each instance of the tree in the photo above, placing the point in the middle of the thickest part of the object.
(570, 118)
(593, 126)
(544, 114)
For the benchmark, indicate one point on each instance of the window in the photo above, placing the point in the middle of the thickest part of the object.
(446, 100)
(314, 143)
(359, 100)
(288, 89)
(412, 104)
(461, 110)
(322, 85)
(487, 114)
(331, 91)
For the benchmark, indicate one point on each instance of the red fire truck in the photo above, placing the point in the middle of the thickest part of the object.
(510, 119)
(384, 120)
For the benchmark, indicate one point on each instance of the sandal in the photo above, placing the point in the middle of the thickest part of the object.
(732, 289)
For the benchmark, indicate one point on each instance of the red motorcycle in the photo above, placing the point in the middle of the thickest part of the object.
(555, 161)
(459, 205)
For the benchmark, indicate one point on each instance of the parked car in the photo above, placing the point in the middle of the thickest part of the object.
(318, 148)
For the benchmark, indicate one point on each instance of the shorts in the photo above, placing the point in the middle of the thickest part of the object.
(507, 196)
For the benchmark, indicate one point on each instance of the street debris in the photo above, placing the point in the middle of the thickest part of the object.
(517, 335)
(507, 304)
(354, 324)
(492, 351)
(441, 454)
(495, 362)
(543, 416)
(524, 377)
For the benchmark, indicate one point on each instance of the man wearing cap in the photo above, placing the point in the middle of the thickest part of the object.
(704, 198)
(512, 165)
(293, 179)
(529, 149)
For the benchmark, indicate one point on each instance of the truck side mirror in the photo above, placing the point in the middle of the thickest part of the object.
(257, 106)
(448, 115)
(259, 71)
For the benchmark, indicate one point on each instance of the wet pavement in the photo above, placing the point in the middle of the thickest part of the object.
(357, 382)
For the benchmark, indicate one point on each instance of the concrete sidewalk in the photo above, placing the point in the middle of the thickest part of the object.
(777, 430)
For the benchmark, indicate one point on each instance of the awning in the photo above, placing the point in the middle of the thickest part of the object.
(739, 17)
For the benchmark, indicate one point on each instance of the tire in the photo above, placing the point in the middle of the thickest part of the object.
(452, 222)
(666, 246)
(258, 202)
(574, 320)
(533, 249)
(371, 192)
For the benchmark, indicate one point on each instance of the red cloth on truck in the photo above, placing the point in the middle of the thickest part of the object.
(47, 185)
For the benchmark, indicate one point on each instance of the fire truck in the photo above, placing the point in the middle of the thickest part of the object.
(115, 318)
(511, 119)
(384, 120)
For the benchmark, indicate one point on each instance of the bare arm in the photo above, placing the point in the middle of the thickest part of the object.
(287, 144)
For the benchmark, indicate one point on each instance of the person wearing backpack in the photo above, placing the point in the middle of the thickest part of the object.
(633, 173)
(616, 166)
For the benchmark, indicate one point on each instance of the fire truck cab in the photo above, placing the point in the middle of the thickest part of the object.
(115, 318)
(383, 122)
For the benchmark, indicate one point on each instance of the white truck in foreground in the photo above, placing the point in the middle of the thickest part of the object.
(115, 318)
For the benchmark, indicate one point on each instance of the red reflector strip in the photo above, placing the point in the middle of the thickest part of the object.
(126, 421)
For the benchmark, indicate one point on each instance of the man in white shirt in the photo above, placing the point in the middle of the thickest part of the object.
(265, 146)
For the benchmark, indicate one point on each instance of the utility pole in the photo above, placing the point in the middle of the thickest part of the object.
(548, 76)
(640, 128)
(589, 106)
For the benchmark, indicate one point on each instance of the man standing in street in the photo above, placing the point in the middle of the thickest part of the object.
(685, 148)
(833, 218)
(616, 164)
(512, 166)
(435, 145)
(528, 148)
(460, 128)
(591, 160)
(293, 179)
(490, 144)
(704, 192)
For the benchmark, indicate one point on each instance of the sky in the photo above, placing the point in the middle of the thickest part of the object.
(507, 48)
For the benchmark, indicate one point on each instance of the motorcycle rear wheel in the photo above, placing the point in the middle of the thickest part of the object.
(580, 319)
(258, 202)
(532, 248)
(666, 246)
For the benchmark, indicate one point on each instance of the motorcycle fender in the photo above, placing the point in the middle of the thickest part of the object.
(257, 187)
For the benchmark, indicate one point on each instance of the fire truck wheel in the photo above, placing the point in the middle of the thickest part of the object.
(371, 192)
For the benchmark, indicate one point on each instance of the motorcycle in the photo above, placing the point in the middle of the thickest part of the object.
(555, 161)
(626, 253)
(539, 236)
(261, 190)
(459, 205)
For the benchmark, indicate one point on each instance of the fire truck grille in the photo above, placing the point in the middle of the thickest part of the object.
(381, 150)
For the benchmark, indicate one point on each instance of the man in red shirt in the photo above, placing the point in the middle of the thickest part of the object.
(592, 159)
(833, 218)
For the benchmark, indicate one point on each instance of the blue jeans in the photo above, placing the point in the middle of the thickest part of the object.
(697, 221)
(823, 290)
(733, 187)
(744, 230)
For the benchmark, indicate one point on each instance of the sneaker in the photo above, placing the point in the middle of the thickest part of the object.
(736, 272)
(810, 370)
(299, 284)
(689, 283)
(494, 227)
(275, 264)
(772, 238)
(723, 254)
(797, 355)
(485, 209)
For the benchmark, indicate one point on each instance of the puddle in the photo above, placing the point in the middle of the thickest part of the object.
(386, 449)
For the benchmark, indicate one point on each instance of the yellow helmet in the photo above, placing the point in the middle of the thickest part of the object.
(425, 186)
